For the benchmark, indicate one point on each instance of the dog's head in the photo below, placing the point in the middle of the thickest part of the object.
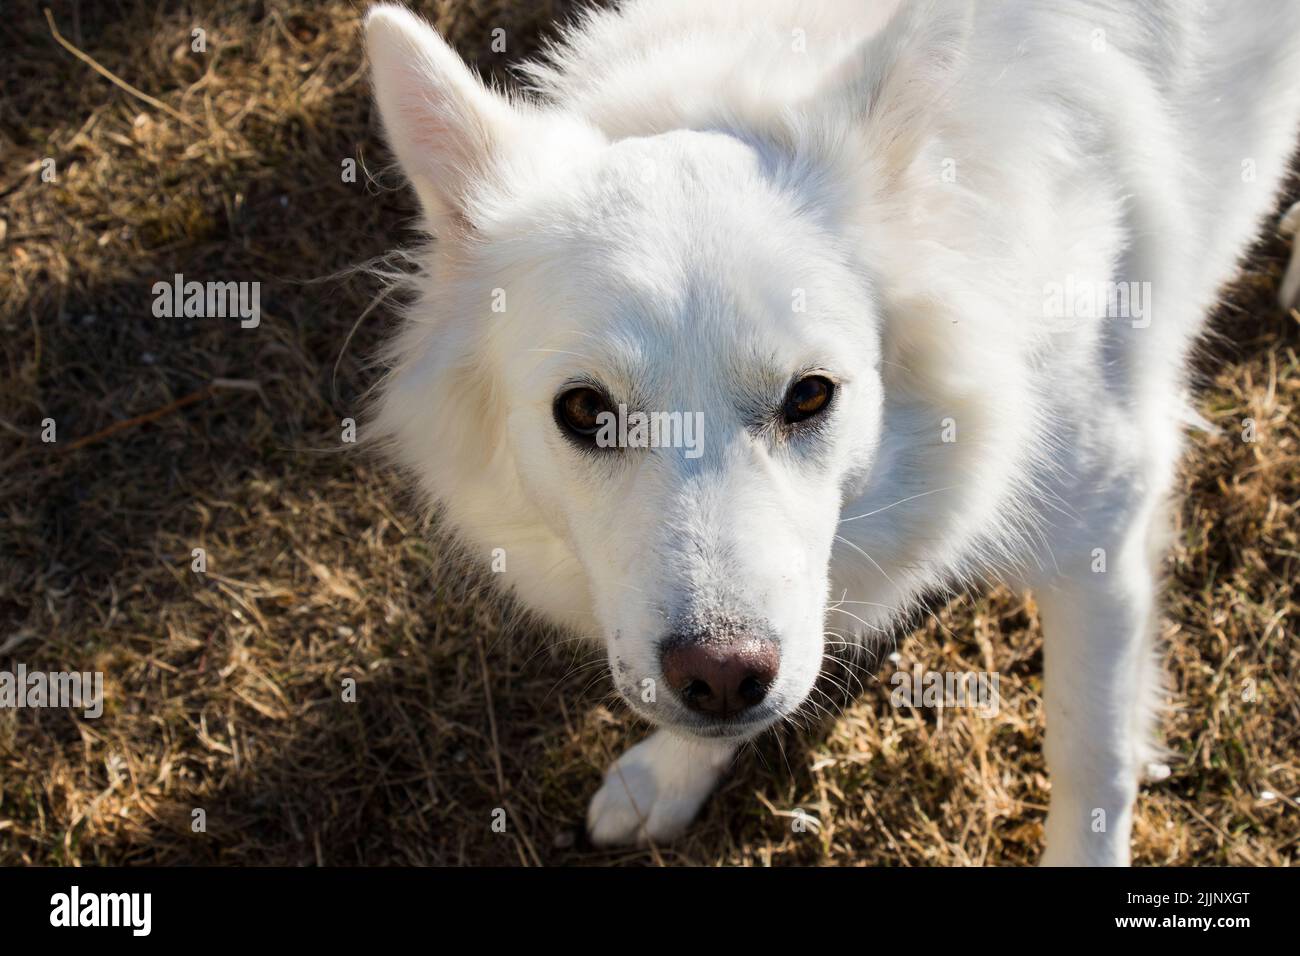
(642, 376)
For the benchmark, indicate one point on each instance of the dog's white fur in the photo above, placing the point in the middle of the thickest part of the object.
(918, 177)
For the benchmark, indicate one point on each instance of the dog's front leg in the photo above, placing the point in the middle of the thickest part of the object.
(654, 791)
(1100, 679)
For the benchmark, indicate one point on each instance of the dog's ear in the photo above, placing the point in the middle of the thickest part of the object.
(894, 83)
(442, 123)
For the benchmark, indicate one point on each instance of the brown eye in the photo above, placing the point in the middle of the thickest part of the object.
(807, 397)
(577, 409)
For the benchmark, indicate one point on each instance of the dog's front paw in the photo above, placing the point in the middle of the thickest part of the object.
(654, 791)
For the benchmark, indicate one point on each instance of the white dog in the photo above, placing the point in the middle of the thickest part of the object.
(919, 278)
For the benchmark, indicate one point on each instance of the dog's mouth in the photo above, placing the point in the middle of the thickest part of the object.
(734, 729)
(738, 727)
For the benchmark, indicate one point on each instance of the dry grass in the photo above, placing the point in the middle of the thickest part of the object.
(223, 690)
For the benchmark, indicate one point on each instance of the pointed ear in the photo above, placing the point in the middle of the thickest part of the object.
(893, 84)
(442, 123)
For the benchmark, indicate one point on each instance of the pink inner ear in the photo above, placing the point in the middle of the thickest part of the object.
(428, 129)
(443, 125)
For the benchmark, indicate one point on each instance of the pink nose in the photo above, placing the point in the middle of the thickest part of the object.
(720, 676)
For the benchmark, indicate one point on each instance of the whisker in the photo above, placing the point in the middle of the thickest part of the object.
(586, 358)
(901, 501)
(845, 540)
(871, 627)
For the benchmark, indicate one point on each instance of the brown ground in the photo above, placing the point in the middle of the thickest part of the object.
(223, 690)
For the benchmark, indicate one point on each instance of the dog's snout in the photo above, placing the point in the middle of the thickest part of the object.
(720, 676)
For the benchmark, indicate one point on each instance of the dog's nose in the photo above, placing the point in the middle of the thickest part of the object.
(720, 676)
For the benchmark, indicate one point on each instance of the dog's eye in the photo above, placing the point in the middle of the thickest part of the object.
(577, 409)
(807, 397)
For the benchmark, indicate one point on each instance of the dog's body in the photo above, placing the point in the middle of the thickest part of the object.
(987, 234)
